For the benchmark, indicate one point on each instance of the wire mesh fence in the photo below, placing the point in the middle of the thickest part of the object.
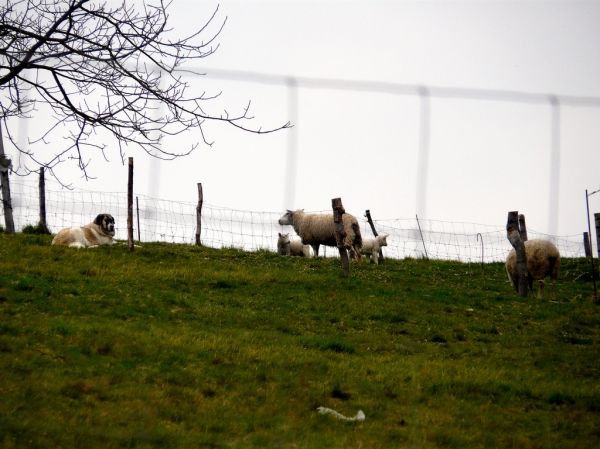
(175, 222)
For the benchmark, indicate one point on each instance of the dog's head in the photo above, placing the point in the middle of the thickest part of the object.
(107, 223)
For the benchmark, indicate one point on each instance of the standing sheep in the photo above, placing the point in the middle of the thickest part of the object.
(319, 229)
(543, 259)
(286, 247)
(371, 247)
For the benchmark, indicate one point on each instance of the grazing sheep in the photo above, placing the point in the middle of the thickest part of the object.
(543, 259)
(370, 247)
(319, 229)
(286, 247)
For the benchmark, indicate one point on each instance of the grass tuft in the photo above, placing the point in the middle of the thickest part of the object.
(39, 229)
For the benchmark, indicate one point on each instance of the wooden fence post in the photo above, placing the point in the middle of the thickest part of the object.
(130, 206)
(199, 214)
(5, 165)
(514, 237)
(368, 215)
(522, 228)
(340, 233)
(43, 200)
(586, 244)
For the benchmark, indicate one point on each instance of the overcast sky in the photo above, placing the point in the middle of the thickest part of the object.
(485, 157)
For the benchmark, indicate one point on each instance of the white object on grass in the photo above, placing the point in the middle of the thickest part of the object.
(360, 416)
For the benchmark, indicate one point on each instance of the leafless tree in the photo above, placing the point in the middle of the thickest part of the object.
(103, 68)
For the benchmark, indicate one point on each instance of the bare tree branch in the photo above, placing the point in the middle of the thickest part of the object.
(102, 68)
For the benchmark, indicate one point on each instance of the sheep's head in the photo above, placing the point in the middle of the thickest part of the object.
(284, 239)
(288, 218)
(382, 239)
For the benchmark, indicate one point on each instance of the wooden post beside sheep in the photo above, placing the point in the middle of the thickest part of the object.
(371, 247)
(287, 247)
(318, 229)
(543, 259)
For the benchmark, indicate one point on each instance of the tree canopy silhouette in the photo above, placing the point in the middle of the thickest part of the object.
(104, 68)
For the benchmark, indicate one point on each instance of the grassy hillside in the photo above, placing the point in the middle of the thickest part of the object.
(181, 346)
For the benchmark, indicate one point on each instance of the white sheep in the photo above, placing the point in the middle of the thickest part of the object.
(287, 247)
(543, 259)
(371, 247)
(319, 229)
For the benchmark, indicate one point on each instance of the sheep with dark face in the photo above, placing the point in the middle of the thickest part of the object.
(287, 247)
(319, 229)
(543, 259)
(371, 247)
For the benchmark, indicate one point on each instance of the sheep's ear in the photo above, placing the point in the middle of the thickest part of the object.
(385, 236)
(290, 211)
(280, 235)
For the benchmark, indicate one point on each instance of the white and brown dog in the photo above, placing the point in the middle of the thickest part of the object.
(100, 232)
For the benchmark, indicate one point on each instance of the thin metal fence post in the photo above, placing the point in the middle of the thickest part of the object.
(137, 206)
(479, 234)
(587, 204)
(422, 239)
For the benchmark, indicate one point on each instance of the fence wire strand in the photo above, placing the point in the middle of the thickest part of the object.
(175, 222)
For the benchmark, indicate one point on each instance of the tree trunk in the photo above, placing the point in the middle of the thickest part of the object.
(340, 233)
(5, 185)
(514, 237)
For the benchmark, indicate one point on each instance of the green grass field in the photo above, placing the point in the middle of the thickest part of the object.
(177, 346)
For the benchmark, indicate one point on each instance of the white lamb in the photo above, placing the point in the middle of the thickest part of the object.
(319, 229)
(371, 247)
(287, 247)
(543, 259)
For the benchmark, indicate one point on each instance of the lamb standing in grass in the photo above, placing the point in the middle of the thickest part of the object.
(543, 259)
(371, 247)
(286, 247)
(319, 229)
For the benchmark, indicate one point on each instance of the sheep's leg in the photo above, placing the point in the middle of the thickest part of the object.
(553, 284)
(376, 257)
(541, 289)
(316, 250)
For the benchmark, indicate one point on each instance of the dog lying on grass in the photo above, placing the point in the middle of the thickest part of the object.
(100, 232)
